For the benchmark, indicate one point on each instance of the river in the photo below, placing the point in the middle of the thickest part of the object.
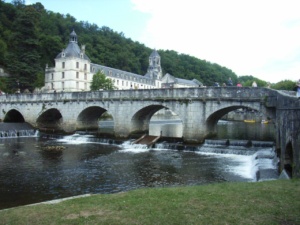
(31, 173)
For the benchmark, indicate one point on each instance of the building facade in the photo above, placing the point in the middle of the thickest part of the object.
(73, 71)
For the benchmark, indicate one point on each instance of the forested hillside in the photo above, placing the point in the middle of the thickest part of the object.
(31, 37)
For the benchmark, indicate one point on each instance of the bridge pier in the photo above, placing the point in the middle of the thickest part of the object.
(69, 126)
(121, 130)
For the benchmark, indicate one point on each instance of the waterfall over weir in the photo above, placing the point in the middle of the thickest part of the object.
(13, 130)
(18, 133)
(262, 158)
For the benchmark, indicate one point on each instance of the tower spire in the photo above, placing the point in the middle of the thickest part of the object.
(154, 69)
(73, 37)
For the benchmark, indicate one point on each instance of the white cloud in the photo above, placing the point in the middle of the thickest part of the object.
(259, 38)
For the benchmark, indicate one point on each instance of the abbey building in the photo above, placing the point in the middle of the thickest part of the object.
(74, 71)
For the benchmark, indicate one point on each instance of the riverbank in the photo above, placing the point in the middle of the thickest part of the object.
(268, 202)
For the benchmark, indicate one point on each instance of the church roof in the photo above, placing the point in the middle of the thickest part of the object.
(117, 72)
(72, 50)
(154, 54)
(168, 78)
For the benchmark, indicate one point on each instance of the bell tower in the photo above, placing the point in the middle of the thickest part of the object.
(154, 69)
(73, 37)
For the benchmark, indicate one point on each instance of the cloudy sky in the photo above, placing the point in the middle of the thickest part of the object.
(250, 37)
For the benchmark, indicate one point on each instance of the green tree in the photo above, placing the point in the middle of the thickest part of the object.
(100, 81)
(3, 49)
(23, 60)
(284, 85)
(247, 81)
(40, 80)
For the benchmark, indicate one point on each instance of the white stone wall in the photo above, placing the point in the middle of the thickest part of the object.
(69, 78)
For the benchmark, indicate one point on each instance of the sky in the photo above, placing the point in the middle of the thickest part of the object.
(251, 37)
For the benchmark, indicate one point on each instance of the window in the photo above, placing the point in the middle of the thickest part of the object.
(77, 85)
(77, 65)
(51, 76)
(85, 85)
(85, 76)
(63, 65)
(63, 75)
(77, 75)
(85, 67)
(63, 85)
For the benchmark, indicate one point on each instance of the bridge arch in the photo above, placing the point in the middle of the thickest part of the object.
(88, 119)
(15, 116)
(50, 119)
(141, 119)
(212, 120)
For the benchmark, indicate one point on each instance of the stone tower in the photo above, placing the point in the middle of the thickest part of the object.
(154, 69)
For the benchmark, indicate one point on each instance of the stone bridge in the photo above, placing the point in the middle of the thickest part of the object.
(198, 108)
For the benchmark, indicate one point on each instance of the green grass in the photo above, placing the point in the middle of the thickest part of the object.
(269, 202)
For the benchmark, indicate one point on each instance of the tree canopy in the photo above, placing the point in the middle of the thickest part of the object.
(100, 81)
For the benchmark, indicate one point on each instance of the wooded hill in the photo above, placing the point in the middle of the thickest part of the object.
(32, 36)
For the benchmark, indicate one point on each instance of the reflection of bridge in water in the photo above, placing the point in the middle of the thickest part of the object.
(198, 108)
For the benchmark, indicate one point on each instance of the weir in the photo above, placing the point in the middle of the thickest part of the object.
(263, 161)
(11, 130)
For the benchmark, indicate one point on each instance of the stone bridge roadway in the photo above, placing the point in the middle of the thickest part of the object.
(199, 109)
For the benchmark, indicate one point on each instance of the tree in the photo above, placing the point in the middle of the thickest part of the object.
(3, 49)
(284, 85)
(100, 81)
(23, 59)
(247, 81)
(40, 80)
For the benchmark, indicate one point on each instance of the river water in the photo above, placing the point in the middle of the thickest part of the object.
(31, 173)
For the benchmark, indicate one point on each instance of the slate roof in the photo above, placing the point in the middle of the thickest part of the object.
(168, 78)
(121, 73)
(72, 50)
(154, 54)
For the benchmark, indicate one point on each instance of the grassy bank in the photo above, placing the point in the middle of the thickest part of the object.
(269, 202)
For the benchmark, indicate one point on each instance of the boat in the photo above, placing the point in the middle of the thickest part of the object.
(264, 121)
(249, 121)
